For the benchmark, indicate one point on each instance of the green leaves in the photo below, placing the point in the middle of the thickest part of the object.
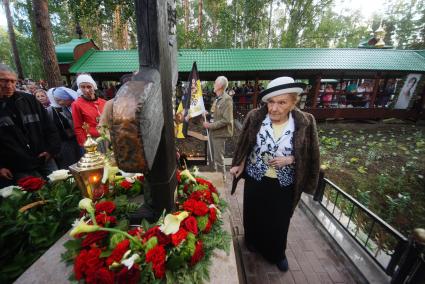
(33, 231)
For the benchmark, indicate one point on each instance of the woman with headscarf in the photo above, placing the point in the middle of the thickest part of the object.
(278, 155)
(59, 111)
(87, 108)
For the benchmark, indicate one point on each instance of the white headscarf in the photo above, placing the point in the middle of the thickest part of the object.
(86, 78)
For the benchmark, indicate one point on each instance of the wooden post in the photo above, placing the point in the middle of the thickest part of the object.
(153, 31)
(316, 90)
(375, 91)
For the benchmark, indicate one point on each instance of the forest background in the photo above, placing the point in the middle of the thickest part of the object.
(219, 24)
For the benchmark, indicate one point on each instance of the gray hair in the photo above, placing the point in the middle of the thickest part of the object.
(6, 68)
(224, 82)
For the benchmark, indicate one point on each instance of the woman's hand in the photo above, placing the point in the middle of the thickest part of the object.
(279, 162)
(236, 170)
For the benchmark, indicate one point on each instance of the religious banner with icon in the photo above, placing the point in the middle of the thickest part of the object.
(191, 105)
(408, 91)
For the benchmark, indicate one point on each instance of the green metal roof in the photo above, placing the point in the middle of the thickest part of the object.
(228, 60)
(65, 52)
(107, 61)
(421, 52)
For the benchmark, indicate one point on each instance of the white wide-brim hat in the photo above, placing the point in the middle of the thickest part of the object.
(280, 86)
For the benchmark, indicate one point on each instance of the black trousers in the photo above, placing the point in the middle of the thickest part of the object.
(267, 211)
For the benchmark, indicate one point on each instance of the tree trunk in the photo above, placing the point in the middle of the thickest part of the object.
(117, 29)
(270, 25)
(199, 17)
(46, 44)
(186, 15)
(12, 39)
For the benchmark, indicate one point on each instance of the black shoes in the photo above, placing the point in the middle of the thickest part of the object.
(283, 265)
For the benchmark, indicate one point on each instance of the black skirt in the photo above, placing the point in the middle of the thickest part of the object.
(266, 214)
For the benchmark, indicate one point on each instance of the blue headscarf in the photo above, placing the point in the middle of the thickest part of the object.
(61, 93)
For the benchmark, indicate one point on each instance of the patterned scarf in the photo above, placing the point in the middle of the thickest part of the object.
(268, 148)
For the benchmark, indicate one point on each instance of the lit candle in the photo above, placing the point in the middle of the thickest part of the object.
(94, 179)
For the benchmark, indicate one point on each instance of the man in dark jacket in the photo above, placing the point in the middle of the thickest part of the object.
(28, 138)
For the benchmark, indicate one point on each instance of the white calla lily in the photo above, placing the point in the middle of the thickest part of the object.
(87, 204)
(129, 262)
(187, 174)
(172, 222)
(80, 226)
(109, 172)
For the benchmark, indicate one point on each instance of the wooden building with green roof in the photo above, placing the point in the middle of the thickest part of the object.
(68, 53)
(308, 64)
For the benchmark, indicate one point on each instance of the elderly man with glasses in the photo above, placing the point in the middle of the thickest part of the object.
(28, 138)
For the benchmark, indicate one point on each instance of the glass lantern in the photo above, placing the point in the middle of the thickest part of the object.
(88, 171)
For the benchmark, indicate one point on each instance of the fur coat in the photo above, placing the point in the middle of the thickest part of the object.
(306, 148)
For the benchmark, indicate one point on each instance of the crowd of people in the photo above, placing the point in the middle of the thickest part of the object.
(42, 130)
(350, 94)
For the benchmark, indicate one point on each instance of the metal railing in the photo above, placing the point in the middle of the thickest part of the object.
(384, 244)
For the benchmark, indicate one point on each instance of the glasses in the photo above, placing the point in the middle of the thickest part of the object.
(7, 81)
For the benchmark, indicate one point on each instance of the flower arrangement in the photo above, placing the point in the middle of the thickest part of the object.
(33, 216)
(35, 213)
(130, 185)
(176, 249)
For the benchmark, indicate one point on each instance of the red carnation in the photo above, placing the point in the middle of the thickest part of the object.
(179, 179)
(191, 224)
(159, 270)
(207, 227)
(213, 215)
(202, 195)
(105, 206)
(94, 238)
(178, 237)
(87, 264)
(186, 188)
(157, 257)
(198, 208)
(208, 183)
(137, 232)
(198, 254)
(80, 264)
(118, 252)
(31, 183)
(155, 231)
(102, 219)
(131, 276)
(141, 178)
(104, 276)
(126, 184)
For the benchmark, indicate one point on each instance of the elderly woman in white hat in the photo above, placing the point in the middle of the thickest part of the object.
(87, 108)
(278, 156)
